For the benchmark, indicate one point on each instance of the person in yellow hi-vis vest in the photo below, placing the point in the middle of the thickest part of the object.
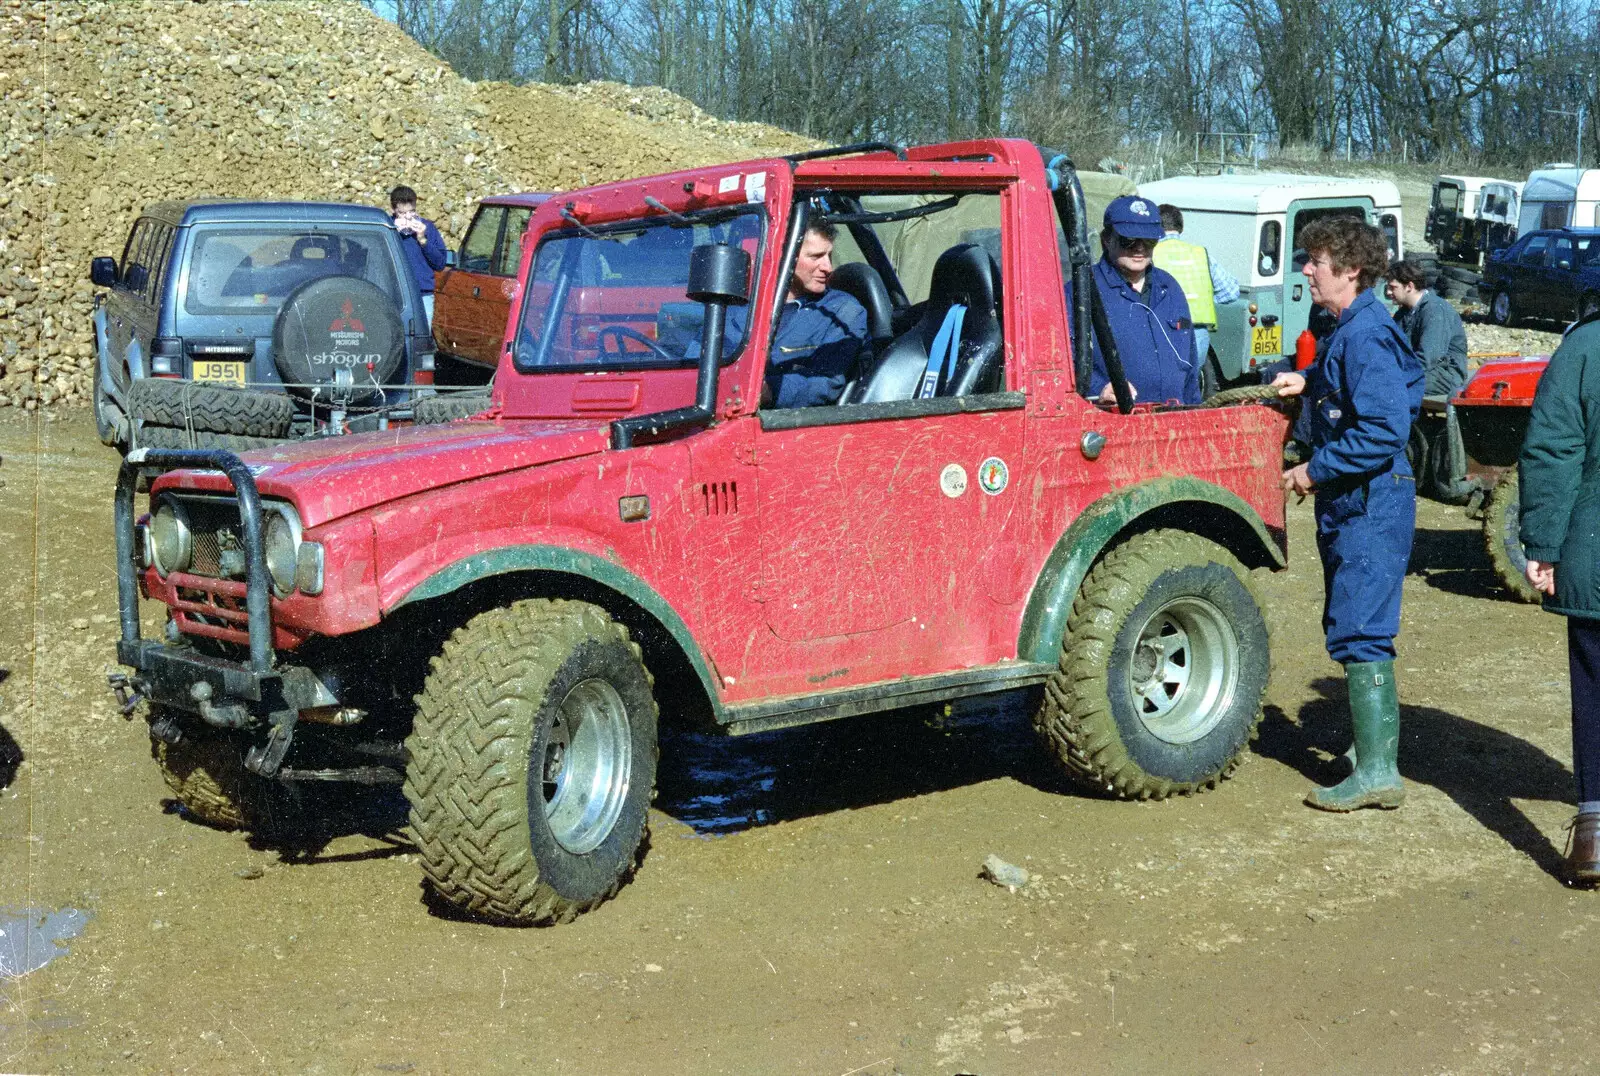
(1205, 284)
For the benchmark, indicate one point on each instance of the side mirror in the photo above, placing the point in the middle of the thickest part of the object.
(719, 273)
(450, 259)
(1563, 264)
(103, 272)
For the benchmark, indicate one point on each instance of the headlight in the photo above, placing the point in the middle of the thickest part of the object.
(171, 544)
(281, 551)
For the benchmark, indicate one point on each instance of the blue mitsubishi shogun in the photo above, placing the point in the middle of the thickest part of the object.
(236, 324)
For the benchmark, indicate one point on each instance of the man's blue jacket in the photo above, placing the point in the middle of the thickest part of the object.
(820, 340)
(1155, 340)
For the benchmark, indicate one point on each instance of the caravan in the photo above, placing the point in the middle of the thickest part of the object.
(1560, 196)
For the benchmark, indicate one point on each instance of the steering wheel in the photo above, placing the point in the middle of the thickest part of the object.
(623, 332)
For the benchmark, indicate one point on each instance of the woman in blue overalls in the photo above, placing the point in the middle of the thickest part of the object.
(1363, 394)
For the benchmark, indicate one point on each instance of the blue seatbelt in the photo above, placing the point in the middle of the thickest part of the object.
(946, 345)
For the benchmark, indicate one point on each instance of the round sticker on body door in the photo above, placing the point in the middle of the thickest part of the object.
(993, 475)
(953, 480)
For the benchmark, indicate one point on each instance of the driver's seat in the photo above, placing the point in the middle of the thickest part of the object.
(965, 275)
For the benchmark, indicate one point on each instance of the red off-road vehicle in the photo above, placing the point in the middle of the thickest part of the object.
(1492, 411)
(626, 532)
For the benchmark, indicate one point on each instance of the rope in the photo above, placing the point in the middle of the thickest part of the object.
(1244, 394)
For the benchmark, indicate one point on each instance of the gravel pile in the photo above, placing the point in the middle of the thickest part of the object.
(109, 107)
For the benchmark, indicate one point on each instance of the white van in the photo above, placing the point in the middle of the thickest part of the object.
(1560, 196)
(1248, 225)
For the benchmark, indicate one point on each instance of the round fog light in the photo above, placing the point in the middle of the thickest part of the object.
(171, 544)
(281, 553)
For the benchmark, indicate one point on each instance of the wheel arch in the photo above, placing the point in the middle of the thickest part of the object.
(1180, 503)
(498, 577)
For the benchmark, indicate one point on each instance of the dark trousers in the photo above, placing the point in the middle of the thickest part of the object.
(1583, 661)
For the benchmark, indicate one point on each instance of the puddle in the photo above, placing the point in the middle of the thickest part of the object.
(30, 937)
(723, 784)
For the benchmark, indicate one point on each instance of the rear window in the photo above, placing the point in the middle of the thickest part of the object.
(616, 297)
(250, 270)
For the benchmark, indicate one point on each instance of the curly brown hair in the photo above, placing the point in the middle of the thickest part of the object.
(1349, 243)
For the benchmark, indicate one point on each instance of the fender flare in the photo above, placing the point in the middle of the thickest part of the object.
(572, 562)
(1044, 621)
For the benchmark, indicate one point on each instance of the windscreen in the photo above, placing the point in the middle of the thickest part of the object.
(616, 297)
(250, 270)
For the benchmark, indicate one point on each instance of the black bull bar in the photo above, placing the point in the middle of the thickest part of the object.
(227, 694)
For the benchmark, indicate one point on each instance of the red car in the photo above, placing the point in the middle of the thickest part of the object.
(627, 533)
(472, 299)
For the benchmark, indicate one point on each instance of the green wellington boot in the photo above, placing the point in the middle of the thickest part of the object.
(1375, 713)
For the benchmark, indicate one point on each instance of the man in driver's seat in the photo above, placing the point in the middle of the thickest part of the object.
(822, 333)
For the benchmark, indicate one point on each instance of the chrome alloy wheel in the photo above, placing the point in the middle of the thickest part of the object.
(1184, 670)
(588, 760)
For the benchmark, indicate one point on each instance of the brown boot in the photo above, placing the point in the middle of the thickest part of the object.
(1582, 866)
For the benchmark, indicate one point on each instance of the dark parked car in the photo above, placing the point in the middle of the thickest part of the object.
(1553, 273)
(472, 301)
(234, 324)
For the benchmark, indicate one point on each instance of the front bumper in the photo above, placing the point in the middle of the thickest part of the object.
(251, 694)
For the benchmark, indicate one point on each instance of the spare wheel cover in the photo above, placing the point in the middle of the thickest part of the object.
(334, 322)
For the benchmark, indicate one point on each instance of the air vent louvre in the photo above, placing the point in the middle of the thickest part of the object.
(719, 498)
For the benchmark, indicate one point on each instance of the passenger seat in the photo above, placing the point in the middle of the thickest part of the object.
(965, 275)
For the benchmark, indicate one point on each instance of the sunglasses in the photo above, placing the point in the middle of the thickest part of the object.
(1134, 244)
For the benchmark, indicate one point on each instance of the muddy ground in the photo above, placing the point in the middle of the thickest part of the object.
(810, 902)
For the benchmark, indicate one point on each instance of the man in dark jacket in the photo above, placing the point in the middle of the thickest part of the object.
(421, 241)
(1433, 327)
(1363, 392)
(1560, 480)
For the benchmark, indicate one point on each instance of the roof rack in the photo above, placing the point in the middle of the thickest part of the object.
(844, 151)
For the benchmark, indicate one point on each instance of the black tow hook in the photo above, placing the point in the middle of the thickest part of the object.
(129, 696)
(265, 759)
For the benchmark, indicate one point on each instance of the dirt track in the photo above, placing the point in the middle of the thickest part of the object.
(810, 902)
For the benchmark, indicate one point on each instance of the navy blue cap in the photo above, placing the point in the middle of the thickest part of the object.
(1133, 217)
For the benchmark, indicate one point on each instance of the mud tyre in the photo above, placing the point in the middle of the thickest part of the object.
(205, 771)
(168, 437)
(192, 405)
(1162, 672)
(433, 410)
(1502, 539)
(533, 762)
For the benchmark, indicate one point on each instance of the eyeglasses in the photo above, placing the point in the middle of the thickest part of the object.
(1321, 263)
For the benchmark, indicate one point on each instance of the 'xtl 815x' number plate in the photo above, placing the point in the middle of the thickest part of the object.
(212, 370)
(1266, 340)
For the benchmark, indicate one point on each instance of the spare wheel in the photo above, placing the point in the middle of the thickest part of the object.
(338, 323)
